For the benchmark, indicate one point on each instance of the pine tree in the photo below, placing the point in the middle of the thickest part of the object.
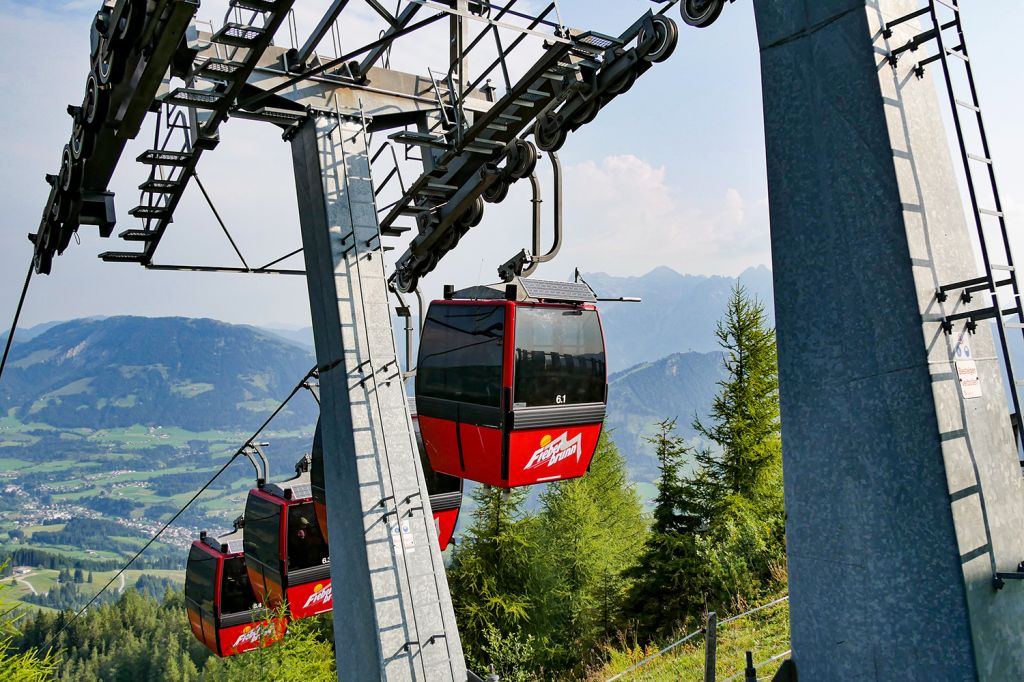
(492, 574)
(663, 593)
(718, 532)
(90, 578)
(590, 530)
(744, 420)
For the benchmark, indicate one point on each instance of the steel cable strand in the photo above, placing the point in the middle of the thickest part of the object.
(17, 316)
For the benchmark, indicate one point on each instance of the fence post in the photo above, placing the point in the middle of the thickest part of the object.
(710, 647)
(751, 672)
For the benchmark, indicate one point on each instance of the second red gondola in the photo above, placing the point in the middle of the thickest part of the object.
(286, 555)
(445, 491)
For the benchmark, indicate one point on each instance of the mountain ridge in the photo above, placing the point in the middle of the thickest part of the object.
(127, 370)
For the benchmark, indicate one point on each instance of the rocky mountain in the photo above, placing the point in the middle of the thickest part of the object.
(677, 315)
(197, 374)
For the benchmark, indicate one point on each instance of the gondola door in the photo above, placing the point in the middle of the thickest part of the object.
(263, 514)
(201, 593)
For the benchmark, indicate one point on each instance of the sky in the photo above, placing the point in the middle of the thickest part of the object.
(670, 174)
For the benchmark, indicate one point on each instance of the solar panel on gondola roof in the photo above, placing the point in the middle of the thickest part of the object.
(546, 290)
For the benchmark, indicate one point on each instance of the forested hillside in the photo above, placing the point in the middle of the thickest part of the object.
(116, 372)
(681, 386)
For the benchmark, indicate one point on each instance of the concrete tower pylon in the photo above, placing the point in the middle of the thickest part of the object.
(903, 487)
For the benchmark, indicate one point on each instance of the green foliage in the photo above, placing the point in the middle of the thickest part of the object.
(492, 575)
(535, 593)
(719, 532)
(510, 654)
(306, 653)
(19, 666)
(136, 638)
(747, 461)
(589, 531)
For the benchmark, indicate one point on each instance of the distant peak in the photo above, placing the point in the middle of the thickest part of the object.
(756, 271)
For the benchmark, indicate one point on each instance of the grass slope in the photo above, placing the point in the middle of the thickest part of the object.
(765, 634)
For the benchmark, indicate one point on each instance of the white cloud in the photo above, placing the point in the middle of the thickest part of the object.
(626, 216)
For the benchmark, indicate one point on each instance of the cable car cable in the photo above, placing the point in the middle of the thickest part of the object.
(181, 511)
(17, 315)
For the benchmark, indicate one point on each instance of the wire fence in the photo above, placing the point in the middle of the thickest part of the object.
(763, 663)
(703, 631)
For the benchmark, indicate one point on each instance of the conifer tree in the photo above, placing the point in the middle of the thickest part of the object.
(492, 574)
(590, 530)
(746, 462)
(718, 532)
(663, 594)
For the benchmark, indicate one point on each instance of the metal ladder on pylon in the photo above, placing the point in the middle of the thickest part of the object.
(377, 399)
(191, 117)
(945, 35)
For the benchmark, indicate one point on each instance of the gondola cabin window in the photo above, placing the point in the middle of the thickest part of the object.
(461, 358)
(306, 546)
(236, 594)
(262, 533)
(560, 357)
(202, 567)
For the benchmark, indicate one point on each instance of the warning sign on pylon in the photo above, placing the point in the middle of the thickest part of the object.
(967, 371)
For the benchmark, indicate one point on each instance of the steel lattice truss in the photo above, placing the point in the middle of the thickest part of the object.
(465, 130)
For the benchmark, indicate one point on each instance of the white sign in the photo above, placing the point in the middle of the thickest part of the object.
(402, 538)
(967, 371)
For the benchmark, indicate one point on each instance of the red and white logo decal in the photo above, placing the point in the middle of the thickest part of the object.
(552, 452)
(254, 635)
(321, 595)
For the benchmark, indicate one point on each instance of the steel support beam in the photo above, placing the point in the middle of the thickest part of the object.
(393, 616)
(308, 48)
(903, 492)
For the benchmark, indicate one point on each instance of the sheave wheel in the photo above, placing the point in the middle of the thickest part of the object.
(83, 141)
(525, 160)
(70, 177)
(666, 37)
(624, 83)
(96, 103)
(587, 112)
(496, 192)
(549, 135)
(701, 13)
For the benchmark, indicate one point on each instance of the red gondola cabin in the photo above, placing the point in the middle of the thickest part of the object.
(512, 390)
(285, 553)
(445, 491)
(222, 609)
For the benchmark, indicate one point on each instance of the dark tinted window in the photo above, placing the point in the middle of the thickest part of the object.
(306, 546)
(263, 532)
(200, 578)
(461, 353)
(559, 357)
(236, 594)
